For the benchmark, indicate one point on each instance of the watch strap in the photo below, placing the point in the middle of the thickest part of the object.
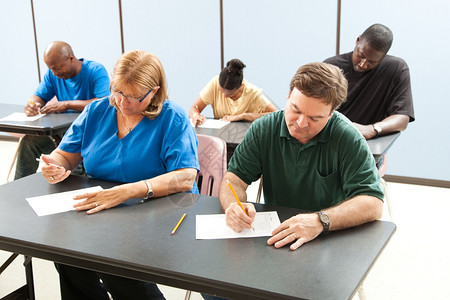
(149, 190)
(325, 220)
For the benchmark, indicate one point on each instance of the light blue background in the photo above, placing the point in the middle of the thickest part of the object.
(273, 38)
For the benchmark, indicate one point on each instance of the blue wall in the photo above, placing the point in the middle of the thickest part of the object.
(273, 38)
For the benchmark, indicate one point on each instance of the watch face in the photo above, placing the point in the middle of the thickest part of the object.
(324, 218)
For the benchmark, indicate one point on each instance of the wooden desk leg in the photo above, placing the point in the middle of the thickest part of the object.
(29, 277)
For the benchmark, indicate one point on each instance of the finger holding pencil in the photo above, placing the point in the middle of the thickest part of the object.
(52, 171)
(32, 108)
(236, 224)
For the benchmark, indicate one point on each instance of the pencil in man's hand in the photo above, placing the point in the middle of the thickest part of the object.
(237, 199)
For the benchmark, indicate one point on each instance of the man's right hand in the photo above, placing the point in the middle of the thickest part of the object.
(32, 108)
(237, 219)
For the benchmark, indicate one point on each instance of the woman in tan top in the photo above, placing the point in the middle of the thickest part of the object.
(232, 97)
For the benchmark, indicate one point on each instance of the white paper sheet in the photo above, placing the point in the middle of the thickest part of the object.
(59, 202)
(21, 117)
(214, 227)
(212, 123)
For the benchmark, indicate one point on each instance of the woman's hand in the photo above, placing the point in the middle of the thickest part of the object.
(198, 119)
(98, 201)
(52, 171)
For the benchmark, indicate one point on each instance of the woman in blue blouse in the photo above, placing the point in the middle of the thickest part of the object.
(136, 137)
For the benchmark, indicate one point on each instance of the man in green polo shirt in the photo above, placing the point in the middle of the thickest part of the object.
(312, 158)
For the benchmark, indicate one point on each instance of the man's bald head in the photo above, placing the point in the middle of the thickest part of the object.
(58, 48)
(60, 59)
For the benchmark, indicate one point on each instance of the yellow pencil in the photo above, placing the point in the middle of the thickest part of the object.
(32, 103)
(178, 224)
(237, 200)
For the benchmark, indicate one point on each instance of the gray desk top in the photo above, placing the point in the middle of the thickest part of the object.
(51, 124)
(134, 240)
(233, 133)
(380, 145)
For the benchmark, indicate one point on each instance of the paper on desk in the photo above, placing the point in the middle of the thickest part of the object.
(214, 227)
(212, 123)
(21, 117)
(59, 202)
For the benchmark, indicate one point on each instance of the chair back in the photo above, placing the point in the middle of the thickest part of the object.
(383, 167)
(212, 156)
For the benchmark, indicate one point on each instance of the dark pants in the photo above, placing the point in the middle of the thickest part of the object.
(77, 284)
(32, 147)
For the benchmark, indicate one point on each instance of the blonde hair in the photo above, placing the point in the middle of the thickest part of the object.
(321, 81)
(140, 70)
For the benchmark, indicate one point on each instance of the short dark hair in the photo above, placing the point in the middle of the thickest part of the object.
(379, 37)
(231, 76)
(321, 81)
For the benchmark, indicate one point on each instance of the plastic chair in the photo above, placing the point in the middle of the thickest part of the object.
(387, 198)
(20, 136)
(212, 156)
(382, 171)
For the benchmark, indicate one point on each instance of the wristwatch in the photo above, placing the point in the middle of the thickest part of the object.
(325, 220)
(149, 190)
(377, 128)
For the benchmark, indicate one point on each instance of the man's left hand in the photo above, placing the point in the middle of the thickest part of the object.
(297, 230)
(54, 106)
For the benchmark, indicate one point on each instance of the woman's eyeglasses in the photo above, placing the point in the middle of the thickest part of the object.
(129, 98)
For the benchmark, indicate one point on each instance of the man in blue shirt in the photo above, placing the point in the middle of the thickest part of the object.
(69, 84)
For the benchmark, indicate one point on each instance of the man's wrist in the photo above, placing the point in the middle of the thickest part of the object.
(377, 128)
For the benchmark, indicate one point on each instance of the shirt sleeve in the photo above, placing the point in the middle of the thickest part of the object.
(46, 89)
(401, 99)
(180, 145)
(358, 172)
(209, 93)
(72, 140)
(100, 80)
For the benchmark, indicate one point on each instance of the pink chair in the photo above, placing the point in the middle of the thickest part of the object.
(212, 155)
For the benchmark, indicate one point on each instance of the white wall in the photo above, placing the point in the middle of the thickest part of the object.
(19, 75)
(273, 38)
(185, 35)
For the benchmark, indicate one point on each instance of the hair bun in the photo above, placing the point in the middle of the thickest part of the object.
(235, 66)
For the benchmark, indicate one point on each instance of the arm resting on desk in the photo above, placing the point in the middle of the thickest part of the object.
(303, 228)
(54, 105)
(180, 180)
(394, 123)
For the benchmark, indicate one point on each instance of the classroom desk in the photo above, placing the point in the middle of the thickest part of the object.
(232, 133)
(380, 145)
(134, 240)
(51, 125)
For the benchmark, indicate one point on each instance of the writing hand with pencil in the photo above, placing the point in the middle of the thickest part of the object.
(33, 107)
(52, 170)
(238, 215)
(197, 118)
